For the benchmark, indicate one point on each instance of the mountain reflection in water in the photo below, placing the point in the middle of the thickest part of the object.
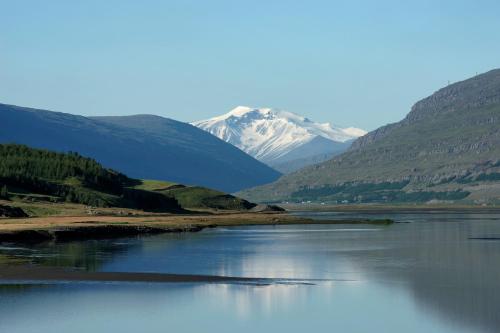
(439, 273)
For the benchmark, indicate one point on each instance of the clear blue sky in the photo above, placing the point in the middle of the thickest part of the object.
(355, 63)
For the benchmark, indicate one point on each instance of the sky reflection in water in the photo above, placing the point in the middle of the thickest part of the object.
(425, 276)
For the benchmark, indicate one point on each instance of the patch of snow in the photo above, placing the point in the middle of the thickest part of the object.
(268, 134)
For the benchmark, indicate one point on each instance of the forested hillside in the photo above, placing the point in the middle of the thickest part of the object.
(35, 173)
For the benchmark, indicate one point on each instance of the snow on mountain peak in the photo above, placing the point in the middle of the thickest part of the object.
(239, 111)
(268, 134)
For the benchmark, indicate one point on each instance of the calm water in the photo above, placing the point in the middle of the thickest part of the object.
(427, 275)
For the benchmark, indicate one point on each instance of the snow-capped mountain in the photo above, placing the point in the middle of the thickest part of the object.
(275, 136)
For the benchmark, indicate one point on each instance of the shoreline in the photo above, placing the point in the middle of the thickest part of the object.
(69, 228)
(30, 231)
(55, 229)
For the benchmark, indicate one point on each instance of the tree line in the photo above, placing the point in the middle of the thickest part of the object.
(23, 161)
(72, 178)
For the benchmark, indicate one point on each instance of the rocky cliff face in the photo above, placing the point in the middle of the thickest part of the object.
(449, 141)
(472, 94)
(478, 92)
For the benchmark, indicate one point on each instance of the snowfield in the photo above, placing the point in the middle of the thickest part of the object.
(271, 134)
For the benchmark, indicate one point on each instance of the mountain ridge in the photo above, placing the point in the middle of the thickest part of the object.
(449, 141)
(272, 135)
(162, 148)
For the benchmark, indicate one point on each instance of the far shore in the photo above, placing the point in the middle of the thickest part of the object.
(375, 208)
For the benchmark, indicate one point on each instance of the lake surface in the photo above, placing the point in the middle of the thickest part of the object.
(436, 272)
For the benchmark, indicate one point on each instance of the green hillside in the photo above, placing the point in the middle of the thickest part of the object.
(42, 175)
(196, 197)
(446, 149)
(36, 175)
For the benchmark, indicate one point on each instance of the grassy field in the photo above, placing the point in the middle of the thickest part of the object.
(200, 197)
(164, 221)
(153, 185)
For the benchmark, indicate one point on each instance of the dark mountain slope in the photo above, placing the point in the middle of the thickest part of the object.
(447, 148)
(141, 146)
